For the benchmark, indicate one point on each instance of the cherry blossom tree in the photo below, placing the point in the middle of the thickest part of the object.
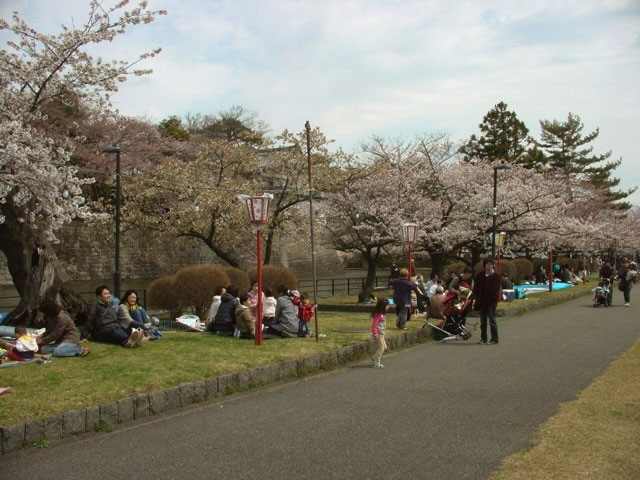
(40, 188)
(198, 198)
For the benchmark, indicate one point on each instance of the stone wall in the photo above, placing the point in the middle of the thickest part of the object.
(89, 256)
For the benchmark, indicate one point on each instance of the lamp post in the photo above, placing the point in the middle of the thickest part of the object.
(116, 274)
(502, 166)
(501, 236)
(307, 128)
(550, 267)
(410, 236)
(258, 211)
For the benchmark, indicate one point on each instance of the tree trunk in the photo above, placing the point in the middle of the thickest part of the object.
(369, 283)
(35, 270)
(476, 251)
(268, 248)
(437, 263)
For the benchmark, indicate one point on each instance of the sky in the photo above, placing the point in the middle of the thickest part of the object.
(357, 68)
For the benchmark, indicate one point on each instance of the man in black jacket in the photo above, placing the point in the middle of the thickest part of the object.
(486, 292)
(102, 322)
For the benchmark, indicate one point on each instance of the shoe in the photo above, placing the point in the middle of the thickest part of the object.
(137, 338)
(377, 365)
(493, 342)
(133, 339)
(85, 352)
(483, 342)
(626, 304)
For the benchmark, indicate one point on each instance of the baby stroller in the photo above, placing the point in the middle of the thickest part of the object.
(601, 293)
(454, 324)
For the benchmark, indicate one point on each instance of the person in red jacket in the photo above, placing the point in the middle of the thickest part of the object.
(486, 292)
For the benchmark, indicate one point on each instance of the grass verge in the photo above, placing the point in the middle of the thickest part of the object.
(595, 436)
(532, 299)
(111, 372)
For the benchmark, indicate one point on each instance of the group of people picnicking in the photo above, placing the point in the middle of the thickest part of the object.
(286, 314)
(289, 313)
(127, 324)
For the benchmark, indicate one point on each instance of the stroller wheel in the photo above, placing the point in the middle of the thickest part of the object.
(466, 335)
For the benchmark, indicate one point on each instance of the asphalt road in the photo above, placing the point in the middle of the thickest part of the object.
(437, 411)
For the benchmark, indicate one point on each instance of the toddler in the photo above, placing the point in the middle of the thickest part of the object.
(378, 326)
(305, 314)
(24, 348)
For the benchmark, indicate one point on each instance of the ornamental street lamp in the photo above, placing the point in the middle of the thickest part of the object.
(502, 166)
(258, 211)
(410, 237)
(116, 274)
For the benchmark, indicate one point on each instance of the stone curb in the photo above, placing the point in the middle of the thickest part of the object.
(140, 405)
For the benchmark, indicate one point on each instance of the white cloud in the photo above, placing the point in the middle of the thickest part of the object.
(356, 68)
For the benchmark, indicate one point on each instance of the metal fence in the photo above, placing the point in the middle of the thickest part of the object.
(331, 287)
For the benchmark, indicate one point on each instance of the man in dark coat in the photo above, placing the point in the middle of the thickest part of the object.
(607, 271)
(402, 297)
(486, 292)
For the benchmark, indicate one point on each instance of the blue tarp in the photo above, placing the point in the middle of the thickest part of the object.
(522, 290)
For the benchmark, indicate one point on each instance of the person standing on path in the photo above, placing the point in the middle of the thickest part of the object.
(486, 292)
(402, 288)
(378, 325)
(627, 277)
(607, 272)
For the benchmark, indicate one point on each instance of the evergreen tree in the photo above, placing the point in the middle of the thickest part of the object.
(503, 139)
(569, 152)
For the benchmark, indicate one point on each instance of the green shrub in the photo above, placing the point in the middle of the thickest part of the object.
(275, 275)
(524, 268)
(457, 267)
(508, 267)
(196, 284)
(238, 279)
(163, 294)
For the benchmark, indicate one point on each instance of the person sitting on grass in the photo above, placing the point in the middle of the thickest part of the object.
(224, 322)
(436, 306)
(245, 322)
(102, 322)
(23, 349)
(61, 337)
(285, 322)
(253, 296)
(268, 308)
(131, 315)
(215, 304)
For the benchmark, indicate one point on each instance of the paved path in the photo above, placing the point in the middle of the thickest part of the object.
(441, 411)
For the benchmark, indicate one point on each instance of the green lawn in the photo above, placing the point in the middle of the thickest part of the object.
(111, 372)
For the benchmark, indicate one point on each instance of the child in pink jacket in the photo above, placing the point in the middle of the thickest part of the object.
(378, 326)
